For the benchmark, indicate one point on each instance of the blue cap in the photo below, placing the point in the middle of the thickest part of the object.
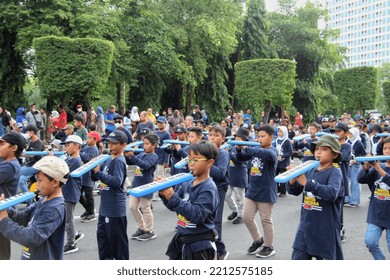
(162, 120)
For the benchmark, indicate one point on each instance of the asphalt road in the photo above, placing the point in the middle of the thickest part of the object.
(236, 237)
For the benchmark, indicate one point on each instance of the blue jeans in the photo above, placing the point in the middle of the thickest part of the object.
(373, 234)
(26, 173)
(354, 198)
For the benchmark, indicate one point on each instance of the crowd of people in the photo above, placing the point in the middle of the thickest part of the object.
(243, 175)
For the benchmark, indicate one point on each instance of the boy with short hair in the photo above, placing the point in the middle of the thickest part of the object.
(304, 145)
(11, 147)
(194, 135)
(87, 201)
(341, 130)
(195, 203)
(40, 228)
(318, 233)
(81, 131)
(36, 144)
(261, 194)
(112, 224)
(219, 174)
(238, 180)
(376, 175)
(71, 192)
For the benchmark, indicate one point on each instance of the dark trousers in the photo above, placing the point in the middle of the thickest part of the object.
(86, 199)
(301, 255)
(112, 240)
(5, 248)
(218, 223)
(281, 186)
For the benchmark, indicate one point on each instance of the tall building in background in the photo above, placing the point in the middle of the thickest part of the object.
(364, 29)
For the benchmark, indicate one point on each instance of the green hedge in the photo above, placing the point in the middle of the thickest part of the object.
(356, 88)
(72, 67)
(259, 81)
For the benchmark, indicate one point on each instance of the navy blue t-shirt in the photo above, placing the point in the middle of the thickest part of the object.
(318, 231)
(43, 235)
(219, 170)
(379, 207)
(262, 187)
(163, 157)
(145, 166)
(71, 190)
(9, 177)
(112, 176)
(196, 207)
(238, 170)
(86, 154)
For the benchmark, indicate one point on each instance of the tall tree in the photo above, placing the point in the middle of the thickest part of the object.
(296, 36)
(254, 42)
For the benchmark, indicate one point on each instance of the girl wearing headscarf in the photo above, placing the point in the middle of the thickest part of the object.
(100, 124)
(285, 151)
(134, 117)
(357, 151)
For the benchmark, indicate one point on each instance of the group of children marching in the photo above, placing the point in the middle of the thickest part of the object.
(242, 175)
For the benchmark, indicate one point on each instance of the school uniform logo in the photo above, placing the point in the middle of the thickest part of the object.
(382, 191)
(231, 163)
(184, 223)
(257, 167)
(138, 172)
(102, 186)
(310, 202)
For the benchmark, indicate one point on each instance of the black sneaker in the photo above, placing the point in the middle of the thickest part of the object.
(232, 216)
(88, 218)
(70, 248)
(79, 235)
(147, 236)
(266, 252)
(238, 221)
(255, 246)
(85, 214)
(137, 234)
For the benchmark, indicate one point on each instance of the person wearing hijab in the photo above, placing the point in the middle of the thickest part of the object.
(357, 151)
(134, 117)
(285, 151)
(101, 125)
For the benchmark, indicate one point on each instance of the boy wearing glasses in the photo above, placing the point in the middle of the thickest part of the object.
(195, 203)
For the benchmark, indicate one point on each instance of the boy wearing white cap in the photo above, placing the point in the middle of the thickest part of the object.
(72, 192)
(40, 228)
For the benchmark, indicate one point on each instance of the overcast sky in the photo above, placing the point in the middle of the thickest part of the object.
(272, 4)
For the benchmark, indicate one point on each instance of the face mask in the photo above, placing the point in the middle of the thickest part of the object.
(118, 125)
(27, 135)
(79, 109)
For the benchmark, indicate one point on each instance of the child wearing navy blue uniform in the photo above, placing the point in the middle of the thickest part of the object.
(181, 133)
(378, 217)
(11, 146)
(219, 174)
(163, 157)
(261, 194)
(194, 135)
(112, 223)
(304, 145)
(318, 233)
(146, 164)
(341, 130)
(285, 150)
(238, 180)
(86, 198)
(40, 228)
(71, 192)
(195, 203)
